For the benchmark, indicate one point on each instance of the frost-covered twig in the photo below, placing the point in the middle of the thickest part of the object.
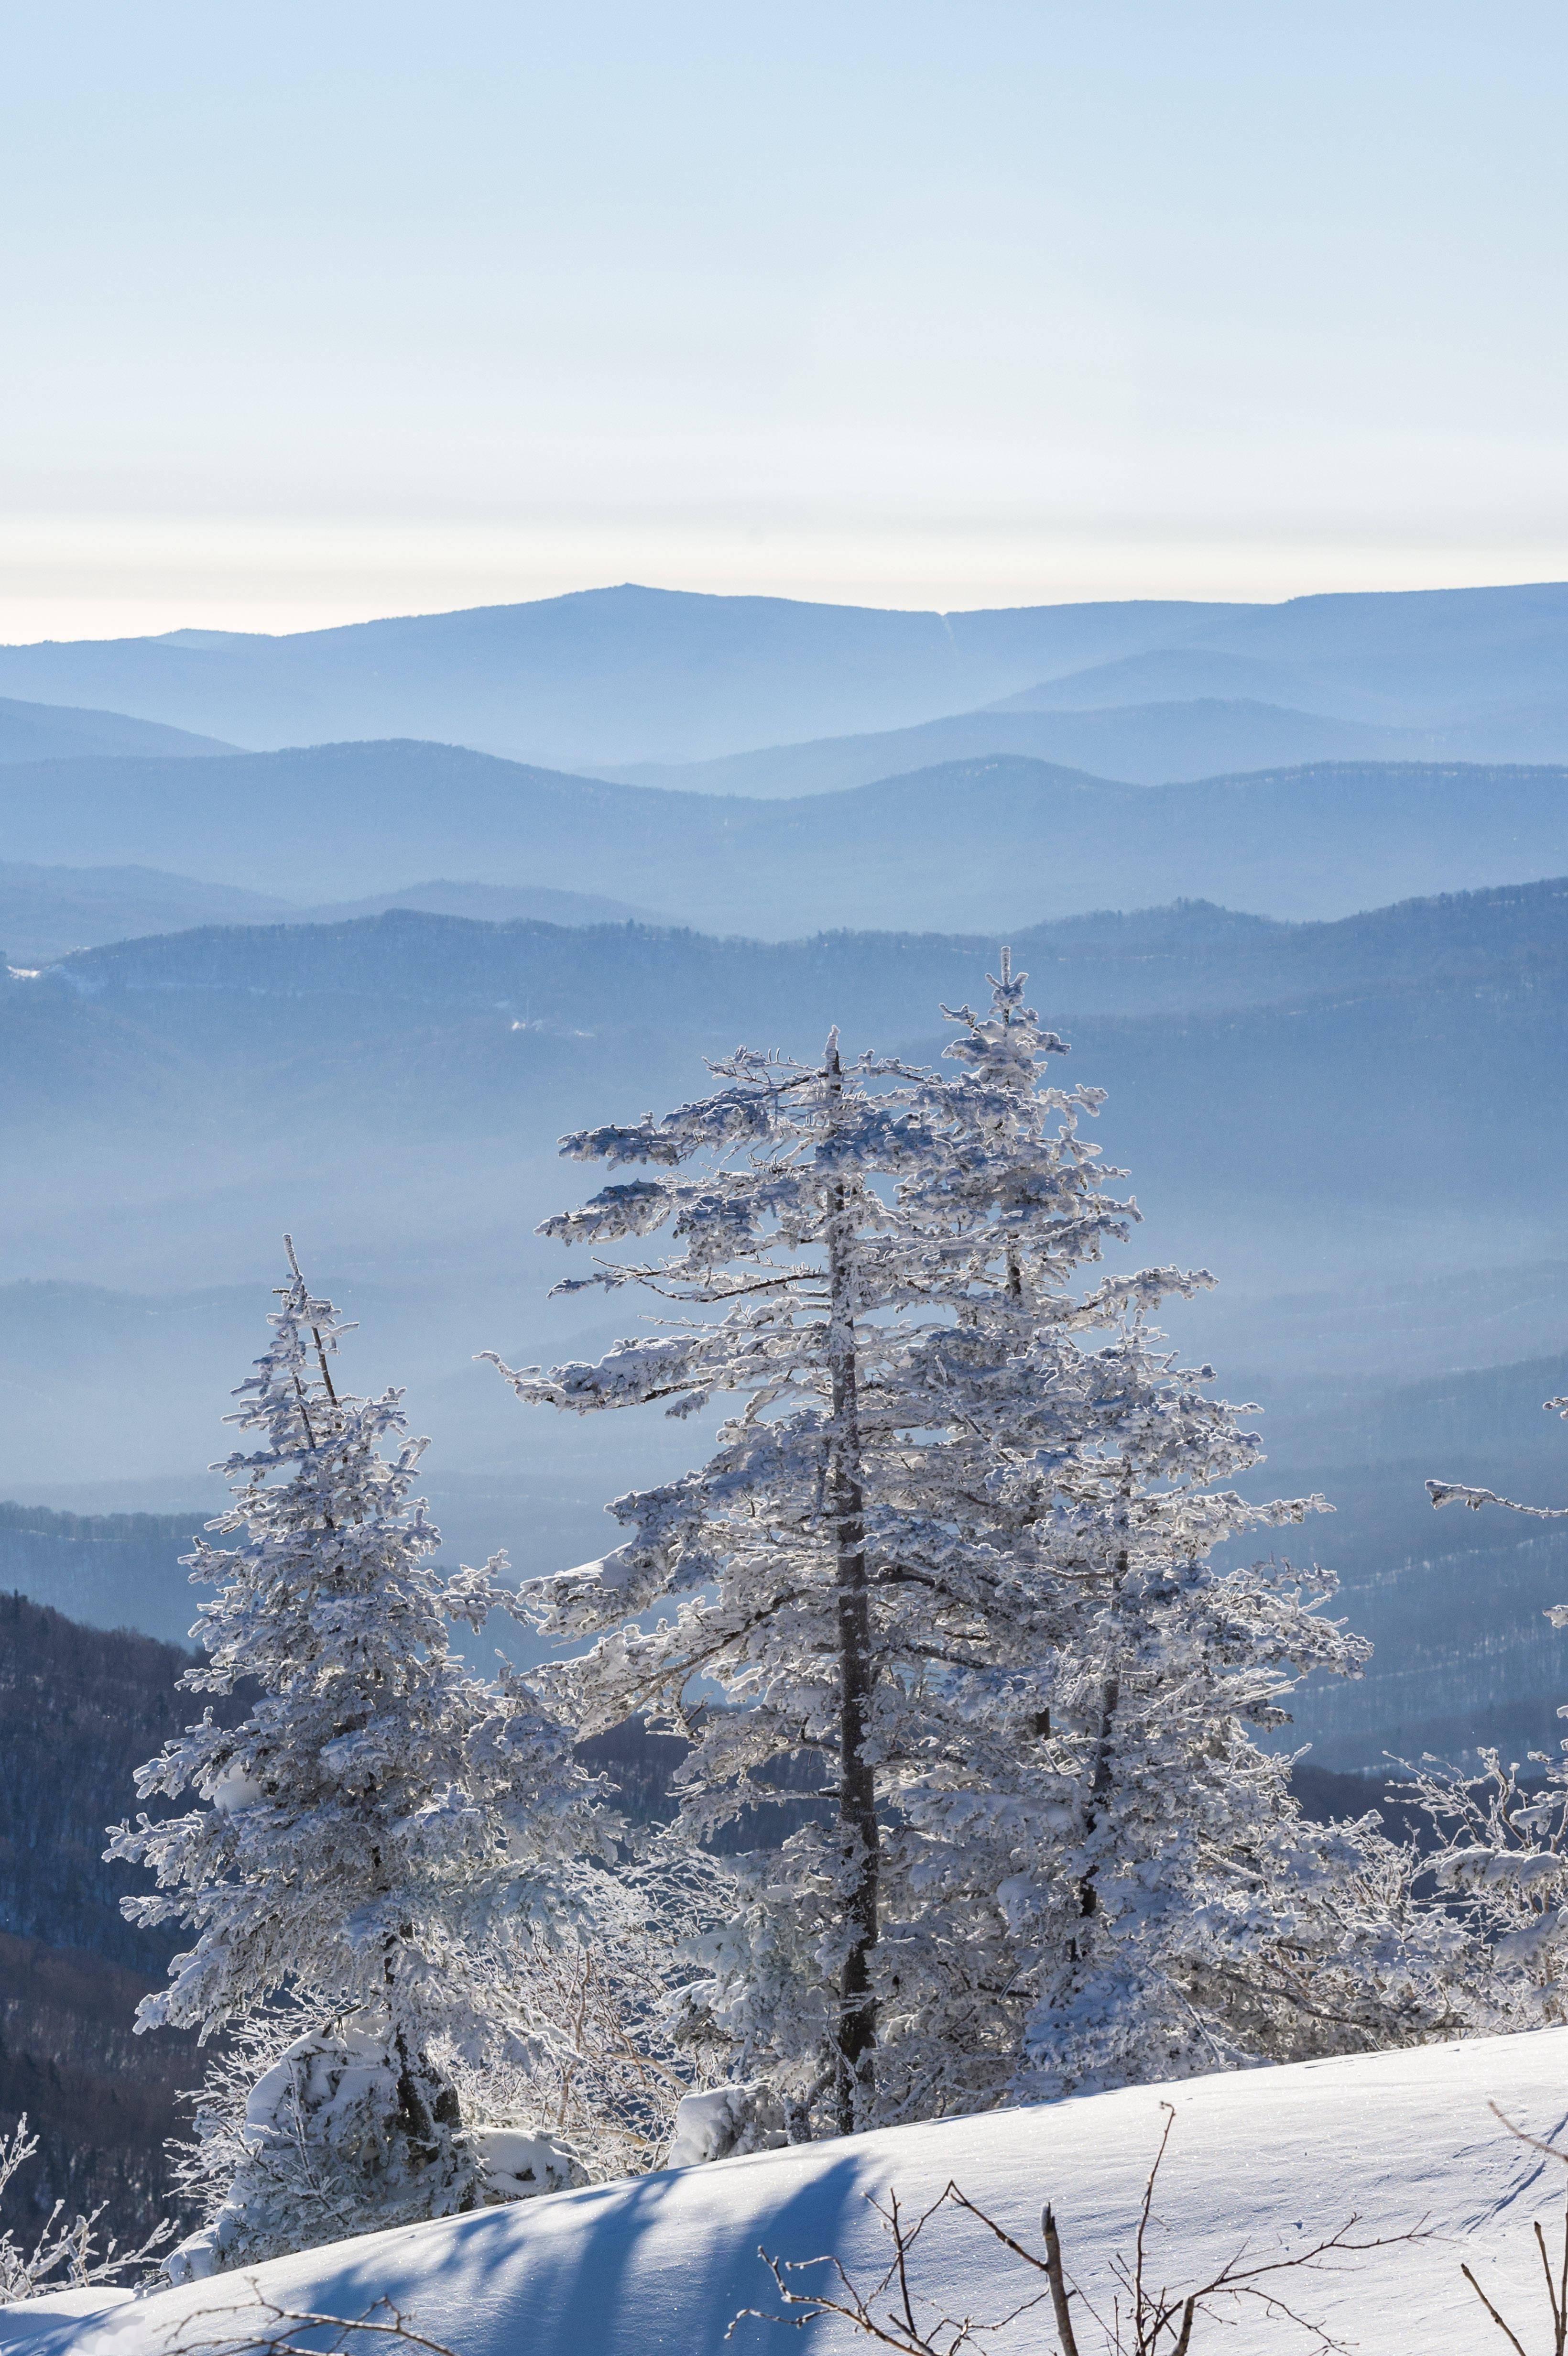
(1556, 2286)
(898, 2328)
(63, 2253)
(605, 2084)
(1143, 2322)
(270, 2331)
(1458, 1492)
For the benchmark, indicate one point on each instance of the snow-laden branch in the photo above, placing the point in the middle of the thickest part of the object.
(1456, 1492)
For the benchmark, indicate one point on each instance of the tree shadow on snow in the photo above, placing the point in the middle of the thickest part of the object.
(656, 2266)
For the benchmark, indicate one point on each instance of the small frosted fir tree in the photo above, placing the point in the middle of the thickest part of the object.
(958, 1513)
(381, 1838)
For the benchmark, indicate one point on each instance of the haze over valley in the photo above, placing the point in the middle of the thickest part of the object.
(1327, 1001)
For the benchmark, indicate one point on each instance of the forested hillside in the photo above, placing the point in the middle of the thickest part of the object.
(1429, 1027)
(79, 1710)
(1191, 956)
(101, 1568)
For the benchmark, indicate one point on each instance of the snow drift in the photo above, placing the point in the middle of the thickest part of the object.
(1275, 2158)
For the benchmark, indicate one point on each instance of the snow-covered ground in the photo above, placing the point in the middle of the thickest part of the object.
(1271, 2159)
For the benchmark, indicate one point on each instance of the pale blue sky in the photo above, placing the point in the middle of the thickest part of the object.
(316, 312)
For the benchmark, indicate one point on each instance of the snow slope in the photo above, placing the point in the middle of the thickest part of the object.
(1272, 2158)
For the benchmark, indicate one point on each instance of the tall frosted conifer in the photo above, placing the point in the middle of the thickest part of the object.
(380, 1835)
(955, 1516)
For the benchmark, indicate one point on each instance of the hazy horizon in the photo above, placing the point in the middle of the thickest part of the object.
(191, 631)
(315, 318)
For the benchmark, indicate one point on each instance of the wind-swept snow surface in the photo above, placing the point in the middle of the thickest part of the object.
(1275, 2158)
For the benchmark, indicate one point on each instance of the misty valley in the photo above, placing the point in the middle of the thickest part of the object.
(1108, 1058)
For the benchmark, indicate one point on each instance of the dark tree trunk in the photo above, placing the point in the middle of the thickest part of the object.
(1110, 1700)
(1100, 1780)
(857, 2025)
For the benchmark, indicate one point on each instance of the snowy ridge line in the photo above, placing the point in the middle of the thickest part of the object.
(658, 2265)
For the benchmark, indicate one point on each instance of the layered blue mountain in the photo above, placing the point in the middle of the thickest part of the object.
(48, 732)
(616, 676)
(1146, 744)
(1177, 675)
(1276, 1087)
(1187, 958)
(1177, 741)
(46, 912)
(973, 845)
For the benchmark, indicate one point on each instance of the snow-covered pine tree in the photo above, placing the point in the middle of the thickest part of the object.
(951, 1544)
(383, 1835)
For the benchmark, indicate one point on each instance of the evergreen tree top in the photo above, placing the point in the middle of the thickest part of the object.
(948, 1179)
(381, 1818)
(1005, 1046)
(336, 1565)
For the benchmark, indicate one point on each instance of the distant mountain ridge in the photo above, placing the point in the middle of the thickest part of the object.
(971, 846)
(1182, 675)
(625, 673)
(611, 677)
(1152, 744)
(1189, 959)
(1273, 1089)
(1176, 743)
(1264, 1080)
(46, 912)
(495, 904)
(48, 732)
